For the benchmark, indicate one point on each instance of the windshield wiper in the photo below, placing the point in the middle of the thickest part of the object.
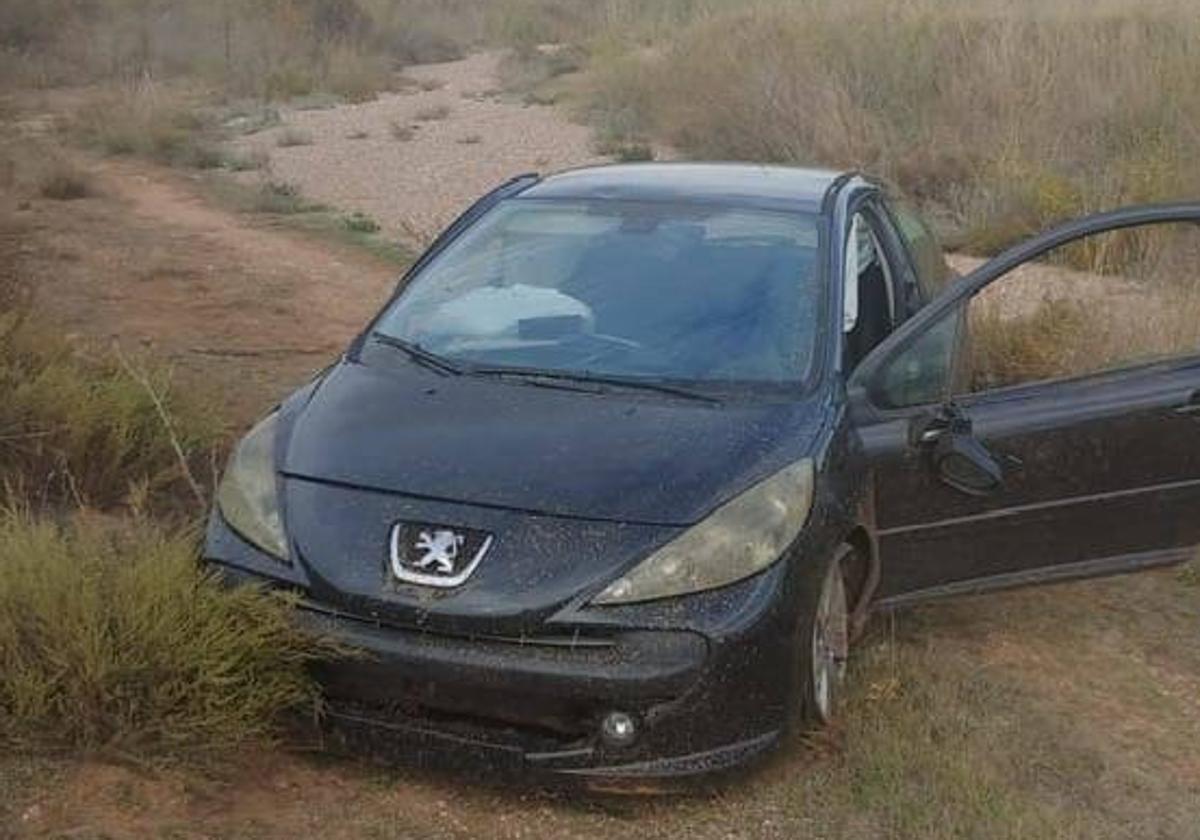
(419, 354)
(535, 374)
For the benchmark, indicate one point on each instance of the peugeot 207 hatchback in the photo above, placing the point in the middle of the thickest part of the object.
(609, 484)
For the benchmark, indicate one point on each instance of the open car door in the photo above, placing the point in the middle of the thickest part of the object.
(984, 481)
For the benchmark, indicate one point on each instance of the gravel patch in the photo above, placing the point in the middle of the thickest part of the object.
(415, 159)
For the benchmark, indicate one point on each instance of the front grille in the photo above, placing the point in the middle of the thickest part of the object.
(572, 641)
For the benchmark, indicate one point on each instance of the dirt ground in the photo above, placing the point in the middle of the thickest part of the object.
(1071, 711)
(244, 312)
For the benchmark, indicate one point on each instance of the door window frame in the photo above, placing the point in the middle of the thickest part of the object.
(863, 382)
(892, 258)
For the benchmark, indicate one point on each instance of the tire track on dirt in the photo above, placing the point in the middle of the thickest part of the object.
(238, 309)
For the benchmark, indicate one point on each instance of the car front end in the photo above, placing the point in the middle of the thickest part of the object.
(604, 649)
(570, 490)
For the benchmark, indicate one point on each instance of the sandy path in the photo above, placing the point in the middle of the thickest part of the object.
(462, 141)
(243, 312)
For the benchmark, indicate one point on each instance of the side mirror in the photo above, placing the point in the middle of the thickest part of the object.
(965, 464)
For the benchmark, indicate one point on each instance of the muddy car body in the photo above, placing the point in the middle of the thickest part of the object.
(563, 563)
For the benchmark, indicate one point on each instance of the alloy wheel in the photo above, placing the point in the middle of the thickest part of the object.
(830, 643)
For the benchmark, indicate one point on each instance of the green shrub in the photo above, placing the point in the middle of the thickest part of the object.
(360, 223)
(93, 430)
(112, 639)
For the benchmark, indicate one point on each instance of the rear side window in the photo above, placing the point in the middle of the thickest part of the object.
(932, 272)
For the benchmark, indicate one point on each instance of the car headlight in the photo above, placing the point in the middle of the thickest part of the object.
(249, 496)
(739, 539)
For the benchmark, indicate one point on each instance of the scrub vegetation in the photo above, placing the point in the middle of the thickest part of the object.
(1059, 713)
(94, 431)
(111, 640)
(1002, 116)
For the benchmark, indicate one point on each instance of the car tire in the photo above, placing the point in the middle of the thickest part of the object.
(822, 640)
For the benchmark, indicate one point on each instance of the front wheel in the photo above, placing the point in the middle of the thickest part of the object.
(824, 640)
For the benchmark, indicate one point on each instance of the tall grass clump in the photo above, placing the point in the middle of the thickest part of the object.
(32, 169)
(1006, 115)
(112, 639)
(101, 431)
(150, 121)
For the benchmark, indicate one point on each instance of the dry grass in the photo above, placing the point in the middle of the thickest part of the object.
(1006, 115)
(62, 180)
(1050, 320)
(36, 169)
(1068, 712)
(88, 430)
(148, 120)
(111, 639)
(277, 50)
(355, 75)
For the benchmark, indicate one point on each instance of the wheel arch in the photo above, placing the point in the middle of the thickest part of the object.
(863, 579)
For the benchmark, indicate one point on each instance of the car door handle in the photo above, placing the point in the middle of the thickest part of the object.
(931, 435)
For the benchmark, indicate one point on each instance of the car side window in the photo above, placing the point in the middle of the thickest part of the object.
(923, 247)
(922, 373)
(870, 301)
(1101, 304)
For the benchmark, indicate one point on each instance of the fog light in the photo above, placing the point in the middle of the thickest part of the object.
(618, 729)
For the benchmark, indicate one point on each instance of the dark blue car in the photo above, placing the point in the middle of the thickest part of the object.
(610, 483)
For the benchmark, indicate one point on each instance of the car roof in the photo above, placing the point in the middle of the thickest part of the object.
(740, 184)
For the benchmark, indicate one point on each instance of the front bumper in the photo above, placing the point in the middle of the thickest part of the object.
(537, 704)
(706, 682)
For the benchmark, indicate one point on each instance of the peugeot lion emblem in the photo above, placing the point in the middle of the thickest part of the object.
(436, 555)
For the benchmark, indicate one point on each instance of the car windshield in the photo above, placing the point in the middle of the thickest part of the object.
(649, 291)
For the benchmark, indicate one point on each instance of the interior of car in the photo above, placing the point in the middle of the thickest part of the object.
(870, 294)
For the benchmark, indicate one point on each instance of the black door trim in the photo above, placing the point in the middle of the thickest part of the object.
(1105, 566)
(1052, 503)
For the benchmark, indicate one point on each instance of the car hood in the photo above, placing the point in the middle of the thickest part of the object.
(621, 456)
